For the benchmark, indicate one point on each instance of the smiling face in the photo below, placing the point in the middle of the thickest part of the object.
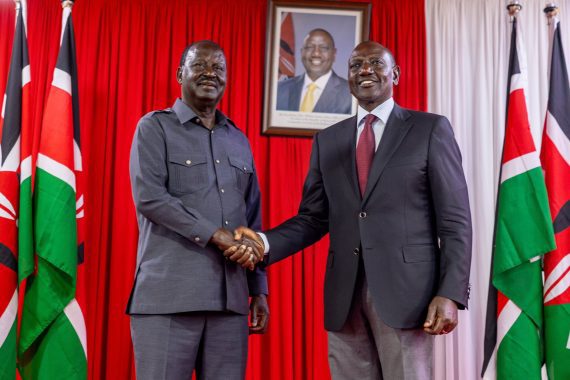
(372, 73)
(203, 75)
(318, 54)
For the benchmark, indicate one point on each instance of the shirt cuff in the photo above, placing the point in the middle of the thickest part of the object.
(202, 232)
(265, 242)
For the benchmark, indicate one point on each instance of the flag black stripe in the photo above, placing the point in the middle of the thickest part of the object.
(562, 220)
(13, 110)
(66, 62)
(559, 98)
(80, 254)
(7, 258)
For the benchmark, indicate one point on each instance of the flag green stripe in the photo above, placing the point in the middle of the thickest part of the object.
(557, 334)
(524, 227)
(25, 238)
(519, 355)
(53, 287)
(57, 354)
(8, 355)
(55, 223)
(523, 231)
(523, 286)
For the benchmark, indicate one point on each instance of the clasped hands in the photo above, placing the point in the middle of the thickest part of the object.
(244, 247)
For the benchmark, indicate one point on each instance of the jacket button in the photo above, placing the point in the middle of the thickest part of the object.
(356, 251)
(188, 162)
(362, 214)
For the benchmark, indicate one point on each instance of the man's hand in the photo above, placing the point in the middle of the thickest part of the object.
(441, 316)
(246, 237)
(244, 232)
(224, 240)
(259, 313)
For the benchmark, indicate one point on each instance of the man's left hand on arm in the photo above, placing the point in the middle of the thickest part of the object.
(441, 317)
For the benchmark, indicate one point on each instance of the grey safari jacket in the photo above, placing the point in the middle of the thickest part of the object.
(187, 182)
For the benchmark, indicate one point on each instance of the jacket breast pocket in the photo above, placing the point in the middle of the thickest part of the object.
(243, 170)
(187, 174)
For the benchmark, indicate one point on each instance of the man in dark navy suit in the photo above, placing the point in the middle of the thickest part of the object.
(320, 89)
(388, 186)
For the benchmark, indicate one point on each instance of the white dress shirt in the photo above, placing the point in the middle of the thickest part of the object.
(321, 82)
(382, 112)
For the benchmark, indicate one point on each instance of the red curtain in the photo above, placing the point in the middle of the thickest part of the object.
(128, 52)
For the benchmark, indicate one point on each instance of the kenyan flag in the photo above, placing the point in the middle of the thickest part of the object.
(555, 156)
(53, 335)
(523, 233)
(15, 191)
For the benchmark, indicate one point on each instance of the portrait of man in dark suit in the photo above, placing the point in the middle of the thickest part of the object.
(319, 89)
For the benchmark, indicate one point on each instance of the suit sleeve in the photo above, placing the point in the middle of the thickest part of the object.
(257, 279)
(453, 217)
(311, 222)
(149, 176)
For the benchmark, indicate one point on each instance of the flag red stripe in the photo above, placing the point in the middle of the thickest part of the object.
(518, 139)
(502, 301)
(57, 128)
(556, 175)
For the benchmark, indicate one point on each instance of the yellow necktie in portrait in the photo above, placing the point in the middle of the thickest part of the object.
(308, 102)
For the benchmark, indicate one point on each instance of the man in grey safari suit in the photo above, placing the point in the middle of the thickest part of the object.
(388, 186)
(193, 176)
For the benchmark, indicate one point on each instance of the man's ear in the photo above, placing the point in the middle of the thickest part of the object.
(179, 75)
(396, 75)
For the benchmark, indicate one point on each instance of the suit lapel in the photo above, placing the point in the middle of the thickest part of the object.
(346, 144)
(396, 128)
(329, 97)
(295, 93)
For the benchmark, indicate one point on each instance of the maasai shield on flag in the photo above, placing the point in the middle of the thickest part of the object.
(523, 232)
(53, 335)
(15, 201)
(555, 157)
(287, 47)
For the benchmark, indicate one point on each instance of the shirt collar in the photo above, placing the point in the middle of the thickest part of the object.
(321, 81)
(382, 112)
(185, 113)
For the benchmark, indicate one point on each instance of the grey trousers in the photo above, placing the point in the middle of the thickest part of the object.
(367, 349)
(171, 346)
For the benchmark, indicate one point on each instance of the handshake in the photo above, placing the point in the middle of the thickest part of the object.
(244, 246)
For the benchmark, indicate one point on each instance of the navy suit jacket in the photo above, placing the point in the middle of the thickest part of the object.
(335, 98)
(411, 229)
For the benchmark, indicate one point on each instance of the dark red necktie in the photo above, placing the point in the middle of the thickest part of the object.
(365, 152)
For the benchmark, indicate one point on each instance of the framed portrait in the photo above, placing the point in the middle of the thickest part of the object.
(308, 46)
